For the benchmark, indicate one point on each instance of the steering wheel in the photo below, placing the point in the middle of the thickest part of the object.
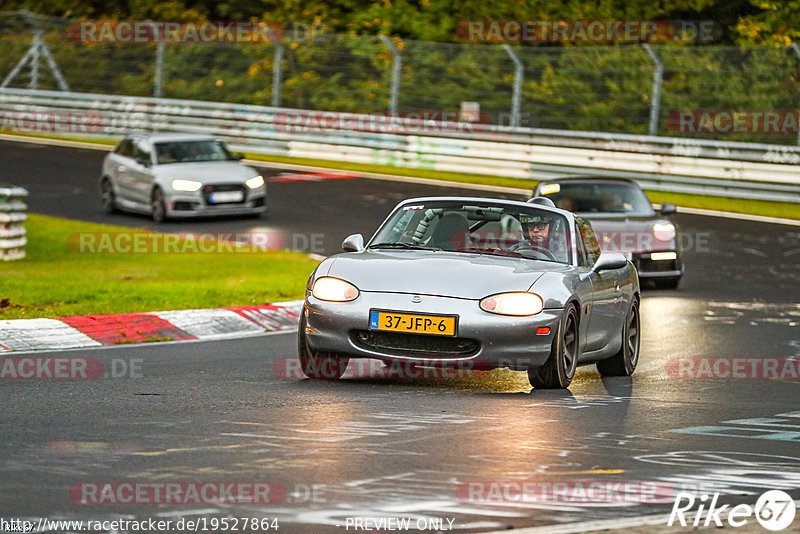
(527, 245)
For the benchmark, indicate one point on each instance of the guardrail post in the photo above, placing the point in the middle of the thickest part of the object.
(655, 102)
(12, 215)
(394, 92)
(516, 96)
(796, 49)
(277, 64)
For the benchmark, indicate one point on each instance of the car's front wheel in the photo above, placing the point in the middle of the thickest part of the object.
(558, 370)
(318, 364)
(158, 209)
(107, 196)
(623, 363)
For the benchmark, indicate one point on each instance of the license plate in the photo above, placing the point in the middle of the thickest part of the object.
(226, 196)
(438, 325)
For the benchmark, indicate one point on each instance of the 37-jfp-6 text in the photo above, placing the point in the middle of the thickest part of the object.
(441, 325)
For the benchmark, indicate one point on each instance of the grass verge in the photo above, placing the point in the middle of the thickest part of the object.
(55, 280)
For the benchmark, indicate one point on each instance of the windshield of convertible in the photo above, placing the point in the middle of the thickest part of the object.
(602, 197)
(477, 228)
(191, 151)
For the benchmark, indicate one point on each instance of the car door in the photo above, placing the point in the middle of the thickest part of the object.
(141, 170)
(118, 169)
(604, 302)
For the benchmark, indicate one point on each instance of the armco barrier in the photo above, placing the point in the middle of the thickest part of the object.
(738, 170)
(12, 216)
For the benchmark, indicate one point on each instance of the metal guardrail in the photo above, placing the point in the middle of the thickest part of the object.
(737, 170)
(12, 217)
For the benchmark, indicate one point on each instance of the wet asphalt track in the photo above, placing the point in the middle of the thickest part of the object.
(219, 411)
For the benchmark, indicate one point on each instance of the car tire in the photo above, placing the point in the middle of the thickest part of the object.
(318, 364)
(559, 369)
(668, 283)
(158, 209)
(624, 362)
(107, 196)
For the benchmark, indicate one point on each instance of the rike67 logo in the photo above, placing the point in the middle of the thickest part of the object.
(774, 510)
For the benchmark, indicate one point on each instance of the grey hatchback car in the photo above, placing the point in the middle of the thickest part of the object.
(625, 221)
(177, 176)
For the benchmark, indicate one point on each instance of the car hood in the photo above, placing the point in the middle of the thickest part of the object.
(627, 234)
(446, 274)
(220, 172)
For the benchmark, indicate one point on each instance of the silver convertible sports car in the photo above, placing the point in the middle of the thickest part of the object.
(179, 175)
(474, 283)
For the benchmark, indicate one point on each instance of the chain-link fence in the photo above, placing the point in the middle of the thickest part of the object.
(621, 89)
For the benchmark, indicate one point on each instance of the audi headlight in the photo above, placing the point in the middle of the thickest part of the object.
(518, 303)
(255, 182)
(186, 185)
(665, 231)
(334, 289)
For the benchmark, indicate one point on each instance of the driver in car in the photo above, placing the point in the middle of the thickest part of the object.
(535, 234)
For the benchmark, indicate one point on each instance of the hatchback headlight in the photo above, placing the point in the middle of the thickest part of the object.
(665, 231)
(334, 289)
(518, 303)
(255, 182)
(186, 185)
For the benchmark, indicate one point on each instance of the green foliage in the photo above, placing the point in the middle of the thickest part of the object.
(566, 86)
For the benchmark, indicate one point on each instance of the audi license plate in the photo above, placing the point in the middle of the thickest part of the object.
(412, 323)
(226, 196)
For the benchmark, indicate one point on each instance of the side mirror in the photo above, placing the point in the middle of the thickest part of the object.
(609, 261)
(353, 243)
(668, 209)
(144, 162)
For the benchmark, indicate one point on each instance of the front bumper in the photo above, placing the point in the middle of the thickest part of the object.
(649, 268)
(483, 340)
(181, 204)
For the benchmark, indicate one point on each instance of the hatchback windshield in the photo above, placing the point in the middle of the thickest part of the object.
(189, 151)
(477, 228)
(603, 197)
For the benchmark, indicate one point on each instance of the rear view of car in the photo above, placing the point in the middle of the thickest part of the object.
(624, 221)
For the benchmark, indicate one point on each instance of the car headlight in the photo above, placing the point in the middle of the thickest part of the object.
(334, 289)
(186, 185)
(665, 231)
(518, 303)
(255, 181)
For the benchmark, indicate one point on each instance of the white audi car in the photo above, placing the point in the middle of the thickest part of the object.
(179, 175)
